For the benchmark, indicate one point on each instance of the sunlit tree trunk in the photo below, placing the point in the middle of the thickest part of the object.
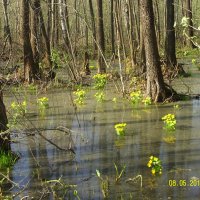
(155, 84)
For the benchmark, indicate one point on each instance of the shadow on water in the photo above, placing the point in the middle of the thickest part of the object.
(98, 147)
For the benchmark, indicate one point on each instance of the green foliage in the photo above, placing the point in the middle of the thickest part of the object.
(100, 81)
(55, 58)
(7, 159)
(43, 103)
(32, 88)
(100, 96)
(18, 110)
(147, 101)
(155, 165)
(80, 96)
(104, 184)
(135, 97)
(170, 122)
(76, 194)
(119, 174)
(120, 128)
(92, 67)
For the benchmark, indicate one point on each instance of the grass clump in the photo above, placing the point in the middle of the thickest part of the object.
(7, 159)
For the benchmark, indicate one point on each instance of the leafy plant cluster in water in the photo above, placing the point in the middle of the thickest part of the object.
(170, 122)
(155, 165)
(120, 128)
(18, 110)
(43, 102)
(136, 97)
(100, 96)
(80, 96)
(100, 81)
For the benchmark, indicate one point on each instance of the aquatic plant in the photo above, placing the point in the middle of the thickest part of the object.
(119, 174)
(170, 122)
(76, 194)
(43, 103)
(18, 110)
(120, 128)
(100, 81)
(155, 165)
(104, 184)
(100, 96)
(135, 97)
(80, 96)
(147, 101)
(7, 159)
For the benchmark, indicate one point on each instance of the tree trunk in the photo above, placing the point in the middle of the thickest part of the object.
(112, 27)
(7, 33)
(34, 38)
(4, 137)
(93, 27)
(155, 84)
(170, 42)
(28, 54)
(46, 38)
(190, 27)
(101, 39)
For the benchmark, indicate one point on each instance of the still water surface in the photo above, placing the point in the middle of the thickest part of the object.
(98, 147)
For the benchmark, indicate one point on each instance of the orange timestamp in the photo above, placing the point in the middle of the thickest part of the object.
(184, 183)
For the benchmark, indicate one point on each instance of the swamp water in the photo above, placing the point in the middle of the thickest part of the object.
(98, 147)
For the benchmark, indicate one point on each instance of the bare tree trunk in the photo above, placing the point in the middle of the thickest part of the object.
(7, 33)
(34, 37)
(112, 27)
(4, 137)
(170, 41)
(28, 54)
(46, 38)
(190, 27)
(93, 26)
(130, 31)
(65, 31)
(101, 39)
(155, 84)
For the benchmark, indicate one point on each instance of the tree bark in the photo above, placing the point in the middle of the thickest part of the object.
(188, 14)
(155, 84)
(34, 37)
(101, 39)
(28, 54)
(170, 41)
(4, 137)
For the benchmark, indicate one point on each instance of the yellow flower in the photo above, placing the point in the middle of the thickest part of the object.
(155, 159)
(153, 171)
(160, 172)
(149, 163)
(151, 157)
